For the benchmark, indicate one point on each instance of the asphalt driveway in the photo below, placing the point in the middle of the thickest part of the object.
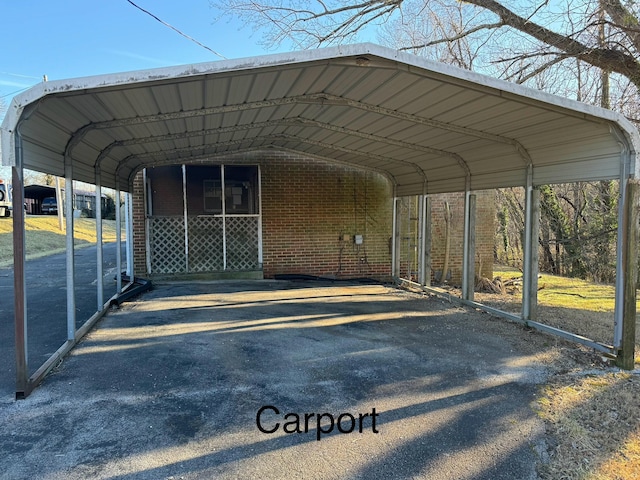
(47, 307)
(229, 380)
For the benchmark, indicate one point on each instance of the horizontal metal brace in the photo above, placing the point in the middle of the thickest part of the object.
(608, 350)
(62, 351)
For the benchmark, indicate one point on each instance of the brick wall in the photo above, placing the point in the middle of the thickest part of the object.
(311, 211)
(166, 185)
(485, 234)
(139, 244)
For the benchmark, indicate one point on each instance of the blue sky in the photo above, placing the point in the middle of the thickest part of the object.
(75, 38)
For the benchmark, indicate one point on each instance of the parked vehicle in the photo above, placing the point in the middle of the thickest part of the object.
(5, 199)
(49, 206)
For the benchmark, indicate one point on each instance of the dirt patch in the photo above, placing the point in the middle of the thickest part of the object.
(594, 426)
(595, 325)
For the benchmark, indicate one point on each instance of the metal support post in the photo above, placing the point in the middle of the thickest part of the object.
(470, 266)
(526, 263)
(71, 269)
(465, 246)
(626, 353)
(99, 251)
(426, 205)
(618, 313)
(409, 238)
(534, 262)
(19, 278)
(129, 233)
(394, 239)
(118, 239)
(421, 252)
(186, 218)
(260, 251)
(224, 218)
(148, 211)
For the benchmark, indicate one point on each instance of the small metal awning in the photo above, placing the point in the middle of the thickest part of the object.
(428, 126)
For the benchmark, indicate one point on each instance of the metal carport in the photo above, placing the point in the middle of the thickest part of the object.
(428, 127)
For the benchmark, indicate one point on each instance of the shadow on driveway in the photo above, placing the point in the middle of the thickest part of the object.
(169, 387)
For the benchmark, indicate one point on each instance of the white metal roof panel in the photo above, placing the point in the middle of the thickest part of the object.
(429, 127)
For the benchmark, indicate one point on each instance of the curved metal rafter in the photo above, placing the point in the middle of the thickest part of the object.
(180, 136)
(195, 160)
(317, 98)
(335, 100)
(123, 163)
(398, 143)
(78, 135)
(295, 122)
(316, 143)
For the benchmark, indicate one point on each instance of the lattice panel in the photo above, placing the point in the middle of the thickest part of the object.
(242, 243)
(205, 244)
(408, 228)
(167, 245)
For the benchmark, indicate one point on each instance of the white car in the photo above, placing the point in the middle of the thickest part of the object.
(5, 199)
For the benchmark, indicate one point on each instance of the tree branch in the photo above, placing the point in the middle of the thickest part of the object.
(607, 59)
(327, 21)
(537, 71)
(466, 33)
(624, 20)
(359, 19)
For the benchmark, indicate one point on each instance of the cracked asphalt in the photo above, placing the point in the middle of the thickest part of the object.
(170, 385)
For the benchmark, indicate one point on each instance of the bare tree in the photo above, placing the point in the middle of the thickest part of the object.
(583, 49)
(547, 33)
(416, 28)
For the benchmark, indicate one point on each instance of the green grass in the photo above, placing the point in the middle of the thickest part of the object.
(564, 292)
(571, 304)
(44, 237)
(595, 420)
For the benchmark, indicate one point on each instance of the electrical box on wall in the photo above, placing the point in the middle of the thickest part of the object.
(357, 239)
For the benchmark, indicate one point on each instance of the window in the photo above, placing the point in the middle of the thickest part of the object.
(209, 189)
(241, 190)
(212, 196)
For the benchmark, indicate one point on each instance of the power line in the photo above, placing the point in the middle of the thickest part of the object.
(18, 75)
(14, 93)
(176, 30)
(44, 78)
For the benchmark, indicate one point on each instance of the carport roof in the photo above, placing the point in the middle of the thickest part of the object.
(428, 126)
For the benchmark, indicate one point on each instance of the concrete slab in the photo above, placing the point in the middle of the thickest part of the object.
(170, 387)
